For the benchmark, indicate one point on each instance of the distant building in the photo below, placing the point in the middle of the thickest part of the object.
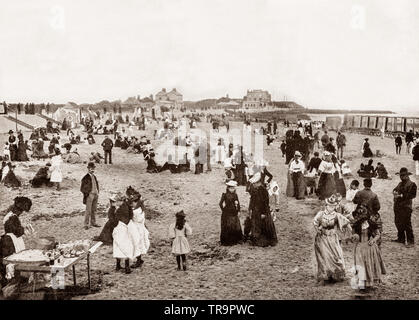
(137, 102)
(256, 98)
(172, 99)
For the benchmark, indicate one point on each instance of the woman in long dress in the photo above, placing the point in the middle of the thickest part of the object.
(56, 173)
(339, 182)
(9, 178)
(327, 184)
(21, 149)
(263, 232)
(366, 150)
(38, 150)
(296, 173)
(138, 231)
(369, 265)
(231, 231)
(328, 223)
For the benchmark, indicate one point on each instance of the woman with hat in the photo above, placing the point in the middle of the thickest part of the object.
(106, 235)
(327, 184)
(179, 231)
(296, 175)
(231, 232)
(12, 146)
(262, 228)
(366, 150)
(329, 223)
(369, 265)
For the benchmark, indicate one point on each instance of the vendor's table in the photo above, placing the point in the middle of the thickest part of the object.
(59, 268)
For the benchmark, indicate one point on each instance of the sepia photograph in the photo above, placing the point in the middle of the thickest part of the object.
(209, 155)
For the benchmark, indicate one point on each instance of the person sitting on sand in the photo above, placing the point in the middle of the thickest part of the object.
(90, 139)
(95, 157)
(42, 177)
(9, 178)
(368, 170)
(381, 171)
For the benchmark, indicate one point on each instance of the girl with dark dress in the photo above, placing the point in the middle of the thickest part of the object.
(231, 232)
(289, 146)
(106, 234)
(367, 153)
(13, 146)
(262, 228)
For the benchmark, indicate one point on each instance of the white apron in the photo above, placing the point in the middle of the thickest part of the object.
(123, 244)
(139, 233)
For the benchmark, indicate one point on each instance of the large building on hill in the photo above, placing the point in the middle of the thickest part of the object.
(169, 99)
(256, 98)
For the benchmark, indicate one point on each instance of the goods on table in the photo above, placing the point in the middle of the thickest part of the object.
(74, 249)
(33, 256)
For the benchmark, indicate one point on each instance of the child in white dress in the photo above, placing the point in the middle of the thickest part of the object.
(179, 231)
(139, 233)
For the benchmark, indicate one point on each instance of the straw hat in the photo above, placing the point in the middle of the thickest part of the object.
(333, 200)
(231, 183)
(297, 154)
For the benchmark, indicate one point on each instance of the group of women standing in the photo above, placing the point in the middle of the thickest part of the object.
(259, 225)
(331, 228)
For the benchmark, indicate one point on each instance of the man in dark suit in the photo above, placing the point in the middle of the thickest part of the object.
(90, 190)
(107, 145)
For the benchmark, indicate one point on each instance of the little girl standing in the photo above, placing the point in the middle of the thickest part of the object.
(178, 231)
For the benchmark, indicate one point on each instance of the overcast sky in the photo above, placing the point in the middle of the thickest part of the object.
(323, 53)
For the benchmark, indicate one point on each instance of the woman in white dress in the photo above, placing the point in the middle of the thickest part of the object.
(138, 231)
(56, 173)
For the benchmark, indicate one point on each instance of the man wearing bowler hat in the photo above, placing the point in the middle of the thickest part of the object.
(404, 193)
(90, 190)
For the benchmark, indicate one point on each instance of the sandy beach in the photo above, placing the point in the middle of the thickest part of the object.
(285, 271)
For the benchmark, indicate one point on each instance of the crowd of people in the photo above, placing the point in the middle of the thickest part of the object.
(315, 166)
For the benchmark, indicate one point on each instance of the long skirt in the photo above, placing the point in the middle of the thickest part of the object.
(123, 244)
(299, 185)
(139, 235)
(340, 187)
(369, 265)
(290, 185)
(11, 180)
(21, 153)
(329, 256)
(106, 234)
(367, 153)
(327, 185)
(263, 232)
(231, 231)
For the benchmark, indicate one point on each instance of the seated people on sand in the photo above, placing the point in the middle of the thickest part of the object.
(72, 157)
(95, 157)
(90, 139)
(42, 177)
(346, 170)
(9, 178)
(381, 171)
(367, 170)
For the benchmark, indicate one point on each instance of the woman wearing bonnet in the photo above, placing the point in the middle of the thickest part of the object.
(329, 224)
